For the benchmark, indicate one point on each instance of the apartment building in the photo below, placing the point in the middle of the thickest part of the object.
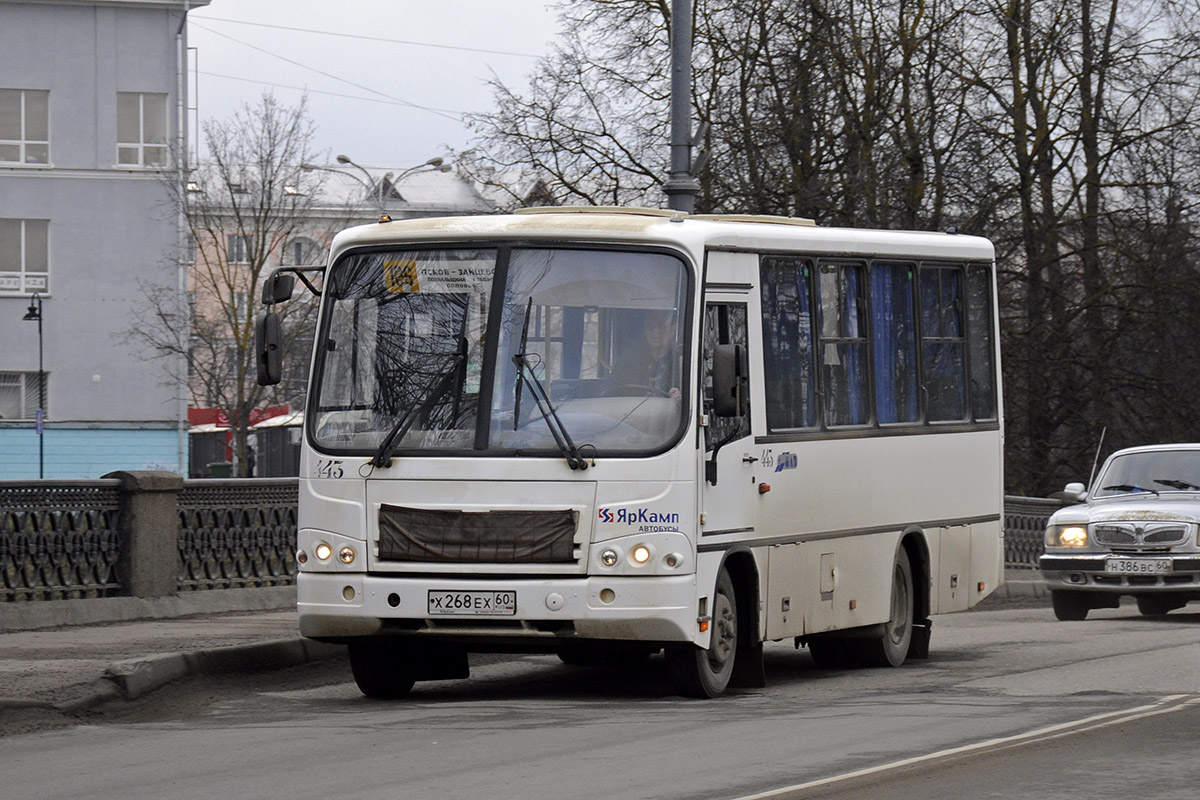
(89, 128)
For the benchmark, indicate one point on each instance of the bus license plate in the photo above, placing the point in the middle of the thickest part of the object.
(1138, 566)
(443, 602)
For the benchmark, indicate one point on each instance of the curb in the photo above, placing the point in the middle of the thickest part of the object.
(136, 677)
(139, 676)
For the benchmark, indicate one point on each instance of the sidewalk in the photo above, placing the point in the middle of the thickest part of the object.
(101, 657)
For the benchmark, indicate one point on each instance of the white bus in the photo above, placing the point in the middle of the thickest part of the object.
(599, 432)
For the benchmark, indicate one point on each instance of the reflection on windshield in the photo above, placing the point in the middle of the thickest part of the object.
(600, 331)
(1161, 471)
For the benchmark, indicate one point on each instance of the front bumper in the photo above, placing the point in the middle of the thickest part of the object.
(1086, 572)
(548, 610)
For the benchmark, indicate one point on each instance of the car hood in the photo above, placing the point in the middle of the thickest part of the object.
(1152, 509)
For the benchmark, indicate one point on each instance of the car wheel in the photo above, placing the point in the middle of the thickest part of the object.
(1156, 606)
(1070, 606)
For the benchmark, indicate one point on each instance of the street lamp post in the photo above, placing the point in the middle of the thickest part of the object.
(376, 188)
(34, 313)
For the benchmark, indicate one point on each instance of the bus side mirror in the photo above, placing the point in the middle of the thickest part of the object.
(268, 349)
(730, 380)
(278, 288)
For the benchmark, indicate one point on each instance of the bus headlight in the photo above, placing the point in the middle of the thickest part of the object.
(640, 554)
(1066, 536)
(346, 555)
(609, 557)
(323, 551)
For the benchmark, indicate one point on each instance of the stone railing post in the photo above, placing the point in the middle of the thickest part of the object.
(149, 532)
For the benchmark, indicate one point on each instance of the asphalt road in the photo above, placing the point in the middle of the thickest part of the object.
(1010, 699)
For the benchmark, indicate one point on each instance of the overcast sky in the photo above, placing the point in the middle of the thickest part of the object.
(387, 80)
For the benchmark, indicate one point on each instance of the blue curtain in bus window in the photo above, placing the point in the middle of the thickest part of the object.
(943, 344)
(787, 343)
(980, 342)
(843, 345)
(894, 342)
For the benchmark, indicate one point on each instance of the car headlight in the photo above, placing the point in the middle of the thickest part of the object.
(1066, 536)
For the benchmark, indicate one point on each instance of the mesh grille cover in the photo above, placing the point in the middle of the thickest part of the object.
(450, 536)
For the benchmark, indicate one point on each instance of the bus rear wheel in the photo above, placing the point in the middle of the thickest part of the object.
(891, 648)
(382, 669)
(696, 672)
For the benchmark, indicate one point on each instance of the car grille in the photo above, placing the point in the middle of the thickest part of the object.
(1140, 535)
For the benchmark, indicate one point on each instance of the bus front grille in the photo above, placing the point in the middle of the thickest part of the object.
(505, 536)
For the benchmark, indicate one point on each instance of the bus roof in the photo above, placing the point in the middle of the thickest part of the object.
(661, 226)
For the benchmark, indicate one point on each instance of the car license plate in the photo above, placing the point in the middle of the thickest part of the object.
(444, 602)
(1138, 566)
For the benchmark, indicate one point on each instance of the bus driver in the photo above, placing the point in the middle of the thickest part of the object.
(654, 363)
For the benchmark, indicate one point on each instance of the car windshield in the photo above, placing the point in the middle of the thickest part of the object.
(1155, 471)
(584, 344)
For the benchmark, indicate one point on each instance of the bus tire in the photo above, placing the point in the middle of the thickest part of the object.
(700, 673)
(382, 669)
(1070, 606)
(891, 648)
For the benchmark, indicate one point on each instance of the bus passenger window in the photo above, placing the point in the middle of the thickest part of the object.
(787, 343)
(843, 345)
(943, 344)
(894, 342)
(979, 342)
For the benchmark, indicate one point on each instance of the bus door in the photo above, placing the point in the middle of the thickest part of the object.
(730, 474)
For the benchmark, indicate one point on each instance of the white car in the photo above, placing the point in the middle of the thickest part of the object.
(1134, 533)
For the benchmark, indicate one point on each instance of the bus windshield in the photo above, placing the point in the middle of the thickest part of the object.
(421, 350)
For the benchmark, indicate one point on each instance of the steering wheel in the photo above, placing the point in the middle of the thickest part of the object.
(633, 390)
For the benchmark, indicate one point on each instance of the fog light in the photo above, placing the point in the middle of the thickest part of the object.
(607, 596)
(346, 555)
(348, 593)
(608, 558)
(323, 551)
(641, 554)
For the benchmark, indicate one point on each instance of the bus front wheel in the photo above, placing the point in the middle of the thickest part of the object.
(696, 672)
(382, 669)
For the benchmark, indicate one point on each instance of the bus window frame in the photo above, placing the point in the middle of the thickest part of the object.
(504, 248)
(922, 425)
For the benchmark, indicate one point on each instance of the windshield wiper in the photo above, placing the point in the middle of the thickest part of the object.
(1129, 487)
(383, 456)
(1182, 486)
(562, 438)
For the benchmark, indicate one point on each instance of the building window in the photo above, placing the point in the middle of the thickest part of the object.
(240, 305)
(24, 256)
(19, 395)
(236, 251)
(24, 126)
(301, 252)
(141, 129)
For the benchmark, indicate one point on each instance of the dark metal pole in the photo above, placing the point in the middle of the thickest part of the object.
(681, 187)
(41, 412)
(35, 313)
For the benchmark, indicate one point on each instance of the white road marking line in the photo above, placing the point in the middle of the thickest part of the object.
(1163, 705)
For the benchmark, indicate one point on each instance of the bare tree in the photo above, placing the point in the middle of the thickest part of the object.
(248, 208)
